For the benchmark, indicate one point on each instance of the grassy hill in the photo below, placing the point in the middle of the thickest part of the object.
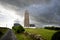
(3, 30)
(43, 32)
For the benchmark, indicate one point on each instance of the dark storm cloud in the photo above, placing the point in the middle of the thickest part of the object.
(41, 11)
(47, 14)
(23, 3)
(18, 3)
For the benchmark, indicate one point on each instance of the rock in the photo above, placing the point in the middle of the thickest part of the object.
(34, 36)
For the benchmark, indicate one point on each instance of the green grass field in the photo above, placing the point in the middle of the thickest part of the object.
(45, 33)
(21, 36)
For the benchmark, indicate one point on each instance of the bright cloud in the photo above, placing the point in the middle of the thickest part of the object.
(7, 17)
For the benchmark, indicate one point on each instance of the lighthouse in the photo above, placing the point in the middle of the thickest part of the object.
(26, 19)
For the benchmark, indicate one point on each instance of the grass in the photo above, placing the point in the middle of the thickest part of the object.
(21, 36)
(3, 31)
(43, 32)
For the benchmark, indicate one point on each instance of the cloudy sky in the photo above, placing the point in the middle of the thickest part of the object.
(42, 12)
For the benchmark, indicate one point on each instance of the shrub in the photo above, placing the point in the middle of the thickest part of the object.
(18, 29)
(53, 28)
(56, 36)
(1, 33)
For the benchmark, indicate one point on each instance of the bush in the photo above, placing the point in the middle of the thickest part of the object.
(1, 33)
(18, 29)
(53, 28)
(56, 36)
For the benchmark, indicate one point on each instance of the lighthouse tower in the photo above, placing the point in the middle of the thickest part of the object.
(26, 19)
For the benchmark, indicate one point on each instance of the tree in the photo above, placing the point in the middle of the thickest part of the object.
(18, 29)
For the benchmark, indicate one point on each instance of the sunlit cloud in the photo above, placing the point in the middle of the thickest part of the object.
(7, 17)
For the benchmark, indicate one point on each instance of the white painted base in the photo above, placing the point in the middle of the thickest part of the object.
(29, 27)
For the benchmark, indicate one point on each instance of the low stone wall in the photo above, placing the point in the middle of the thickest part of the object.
(34, 36)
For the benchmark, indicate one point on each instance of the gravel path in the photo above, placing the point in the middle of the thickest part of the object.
(9, 36)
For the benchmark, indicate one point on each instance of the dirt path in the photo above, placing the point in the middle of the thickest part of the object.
(9, 36)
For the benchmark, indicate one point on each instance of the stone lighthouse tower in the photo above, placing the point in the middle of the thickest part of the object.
(26, 19)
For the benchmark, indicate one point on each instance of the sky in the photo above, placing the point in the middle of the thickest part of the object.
(42, 12)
